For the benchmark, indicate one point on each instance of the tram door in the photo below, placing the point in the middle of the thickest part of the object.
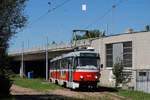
(70, 70)
(60, 69)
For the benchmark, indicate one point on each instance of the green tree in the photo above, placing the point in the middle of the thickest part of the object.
(147, 28)
(103, 34)
(119, 74)
(95, 33)
(79, 37)
(53, 42)
(90, 34)
(11, 19)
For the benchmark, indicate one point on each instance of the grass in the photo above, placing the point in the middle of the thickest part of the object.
(128, 94)
(8, 98)
(134, 95)
(38, 83)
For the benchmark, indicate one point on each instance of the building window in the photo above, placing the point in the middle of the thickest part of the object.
(119, 50)
(127, 54)
(142, 73)
(109, 55)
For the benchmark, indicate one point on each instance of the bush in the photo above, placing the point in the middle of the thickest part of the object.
(119, 74)
(5, 85)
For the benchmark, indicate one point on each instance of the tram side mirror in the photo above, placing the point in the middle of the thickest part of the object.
(101, 65)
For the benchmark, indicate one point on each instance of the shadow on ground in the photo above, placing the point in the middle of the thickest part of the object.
(43, 97)
(99, 89)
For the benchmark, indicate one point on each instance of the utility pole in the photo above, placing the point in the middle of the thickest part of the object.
(28, 43)
(113, 6)
(47, 58)
(106, 29)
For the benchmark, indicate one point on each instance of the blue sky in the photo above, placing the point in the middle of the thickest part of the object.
(58, 24)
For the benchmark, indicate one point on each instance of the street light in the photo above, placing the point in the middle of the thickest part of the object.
(47, 58)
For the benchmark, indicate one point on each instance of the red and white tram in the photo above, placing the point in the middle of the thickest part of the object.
(76, 69)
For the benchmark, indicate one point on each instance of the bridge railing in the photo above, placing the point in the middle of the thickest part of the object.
(55, 46)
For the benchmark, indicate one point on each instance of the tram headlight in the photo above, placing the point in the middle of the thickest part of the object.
(81, 77)
(96, 77)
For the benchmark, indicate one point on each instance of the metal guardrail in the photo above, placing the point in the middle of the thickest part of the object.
(56, 46)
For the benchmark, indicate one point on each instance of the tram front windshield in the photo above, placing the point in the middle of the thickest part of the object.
(88, 62)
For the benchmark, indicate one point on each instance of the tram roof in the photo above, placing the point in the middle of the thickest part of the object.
(72, 54)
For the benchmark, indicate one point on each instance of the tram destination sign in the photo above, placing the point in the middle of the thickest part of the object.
(88, 54)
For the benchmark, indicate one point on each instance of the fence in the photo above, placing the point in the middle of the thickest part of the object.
(143, 80)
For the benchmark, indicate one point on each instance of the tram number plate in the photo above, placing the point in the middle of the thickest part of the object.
(89, 76)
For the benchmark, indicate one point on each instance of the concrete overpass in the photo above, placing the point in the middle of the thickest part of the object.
(34, 59)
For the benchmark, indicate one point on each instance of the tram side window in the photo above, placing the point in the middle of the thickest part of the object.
(75, 62)
(52, 65)
(64, 63)
(55, 64)
(56, 67)
(58, 64)
(70, 62)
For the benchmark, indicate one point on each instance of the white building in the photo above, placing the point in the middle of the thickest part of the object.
(134, 49)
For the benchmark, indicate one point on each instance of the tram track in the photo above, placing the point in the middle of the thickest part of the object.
(22, 93)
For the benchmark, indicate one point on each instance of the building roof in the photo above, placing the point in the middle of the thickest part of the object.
(121, 34)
